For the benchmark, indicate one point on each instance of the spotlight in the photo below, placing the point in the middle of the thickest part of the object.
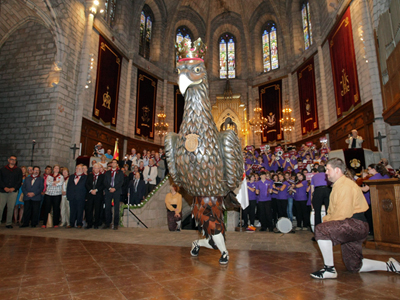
(95, 2)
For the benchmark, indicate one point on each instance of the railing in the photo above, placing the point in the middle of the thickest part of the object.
(142, 204)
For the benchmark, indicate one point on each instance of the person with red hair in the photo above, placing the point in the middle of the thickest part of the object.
(173, 202)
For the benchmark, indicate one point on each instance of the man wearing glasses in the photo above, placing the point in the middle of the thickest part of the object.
(10, 182)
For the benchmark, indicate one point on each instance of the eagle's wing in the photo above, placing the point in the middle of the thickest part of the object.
(170, 154)
(232, 158)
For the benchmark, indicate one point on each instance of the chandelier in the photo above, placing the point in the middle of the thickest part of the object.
(161, 127)
(258, 122)
(287, 122)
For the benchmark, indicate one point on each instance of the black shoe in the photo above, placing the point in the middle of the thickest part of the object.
(96, 227)
(224, 258)
(115, 227)
(313, 239)
(9, 226)
(33, 226)
(22, 226)
(88, 227)
(195, 249)
(178, 230)
(325, 273)
(263, 229)
(105, 226)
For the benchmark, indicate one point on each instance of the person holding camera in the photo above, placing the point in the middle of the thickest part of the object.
(354, 140)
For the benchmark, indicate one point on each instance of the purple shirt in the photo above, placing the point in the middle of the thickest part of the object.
(301, 192)
(264, 187)
(274, 166)
(283, 195)
(367, 195)
(319, 179)
(252, 195)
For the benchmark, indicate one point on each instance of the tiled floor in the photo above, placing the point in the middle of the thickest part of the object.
(41, 267)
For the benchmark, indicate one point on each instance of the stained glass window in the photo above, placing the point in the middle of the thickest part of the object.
(270, 47)
(109, 11)
(146, 27)
(227, 56)
(307, 32)
(181, 33)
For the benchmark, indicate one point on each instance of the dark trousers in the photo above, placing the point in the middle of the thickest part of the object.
(319, 198)
(265, 214)
(274, 209)
(303, 215)
(93, 204)
(250, 211)
(368, 216)
(108, 199)
(135, 199)
(282, 208)
(76, 207)
(31, 212)
(52, 201)
(149, 188)
(350, 234)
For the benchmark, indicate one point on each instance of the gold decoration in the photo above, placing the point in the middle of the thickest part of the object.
(106, 99)
(287, 122)
(258, 122)
(103, 46)
(345, 83)
(161, 127)
(187, 49)
(355, 163)
(192, 142)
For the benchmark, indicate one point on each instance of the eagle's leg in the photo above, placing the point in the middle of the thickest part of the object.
(208, 213)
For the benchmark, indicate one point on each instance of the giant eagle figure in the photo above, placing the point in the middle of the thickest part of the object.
(207, 163)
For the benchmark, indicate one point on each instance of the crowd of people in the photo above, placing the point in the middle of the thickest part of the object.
(90, 195)
(291, 183)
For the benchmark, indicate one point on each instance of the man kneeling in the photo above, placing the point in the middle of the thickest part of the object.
(345, 224)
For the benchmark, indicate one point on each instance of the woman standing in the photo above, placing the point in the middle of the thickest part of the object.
(53, 194)
(173, 202)
(300, 202)
(19, 204)
(64, 200)
(250, 210)
(282, 197)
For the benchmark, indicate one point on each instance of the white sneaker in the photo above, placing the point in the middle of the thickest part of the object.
(325, 273)
(298, 228)
(393, 266)
(257, 223)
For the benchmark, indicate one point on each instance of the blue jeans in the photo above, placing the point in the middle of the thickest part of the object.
(290, 209)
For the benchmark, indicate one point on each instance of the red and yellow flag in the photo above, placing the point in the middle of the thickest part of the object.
(116, 151)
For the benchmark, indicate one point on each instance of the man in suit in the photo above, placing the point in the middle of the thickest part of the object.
(32, 190)
(76, 194)
(137, 190)
(94, 199)
(354, 140)
(160, 163)
(10, 182)
(150, 176)
(113, 181)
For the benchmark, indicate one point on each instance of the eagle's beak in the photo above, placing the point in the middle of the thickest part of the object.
(183, 82)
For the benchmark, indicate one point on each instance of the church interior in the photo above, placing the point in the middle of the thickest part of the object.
(77, 72)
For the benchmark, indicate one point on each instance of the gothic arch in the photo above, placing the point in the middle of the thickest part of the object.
(35, 13)
(228, 112)
(227, 22)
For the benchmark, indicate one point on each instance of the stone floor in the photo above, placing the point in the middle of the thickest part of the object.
(154, 264)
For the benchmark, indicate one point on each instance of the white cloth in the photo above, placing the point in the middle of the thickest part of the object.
(152, 175)
(242, 195)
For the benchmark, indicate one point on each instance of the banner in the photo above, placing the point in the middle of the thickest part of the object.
(344, 67)
(179, 108)
(355, 159)
(146, 104)
(109, 63)
(308, 97)
(271, 105)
